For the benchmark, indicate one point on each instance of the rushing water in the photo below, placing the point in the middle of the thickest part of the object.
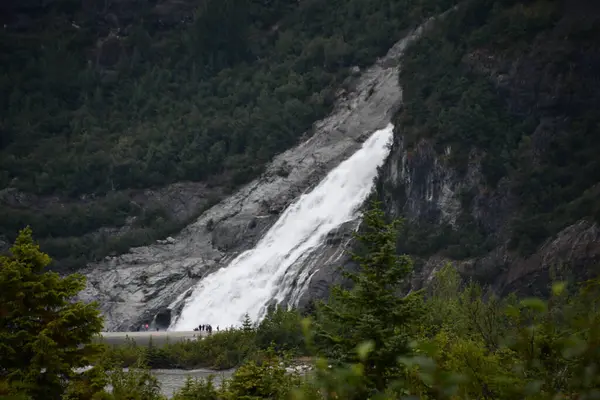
(267, 271)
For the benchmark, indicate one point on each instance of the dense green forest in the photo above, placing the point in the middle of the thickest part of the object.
(453, 341)
(516, 81)
(101, 100)
(97, 100)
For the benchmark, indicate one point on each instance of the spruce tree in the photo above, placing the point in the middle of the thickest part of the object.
(372, 311)
(247, 324)
(44, 334)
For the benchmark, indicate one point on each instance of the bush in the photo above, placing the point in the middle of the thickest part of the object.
(281, 329)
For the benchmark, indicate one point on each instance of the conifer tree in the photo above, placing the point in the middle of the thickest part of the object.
(247, 324)
(372, 311)
(44, 335)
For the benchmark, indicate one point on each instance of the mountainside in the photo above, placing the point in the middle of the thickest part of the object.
(123, 120)
(495, 161)
(155, 280)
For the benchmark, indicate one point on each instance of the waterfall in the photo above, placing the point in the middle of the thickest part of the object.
(271, 270)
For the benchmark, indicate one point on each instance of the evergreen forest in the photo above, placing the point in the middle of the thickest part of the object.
(103, 98)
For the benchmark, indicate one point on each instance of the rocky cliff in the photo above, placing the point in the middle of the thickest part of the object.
(153, 281)
(428, 195)
(518, 208)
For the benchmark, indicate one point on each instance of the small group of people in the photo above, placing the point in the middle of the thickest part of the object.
(146, 327)
(207, 328)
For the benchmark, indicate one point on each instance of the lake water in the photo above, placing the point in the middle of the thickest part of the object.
(172, 380)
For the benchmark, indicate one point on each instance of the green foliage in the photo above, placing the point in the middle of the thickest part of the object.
(180, 104)
(504, 348)
(68, 230)
(484, 347)
(210, 99)
(509, 80)
(460, 342)
(221, 350)
(281, 329)
(470, 344)
(265, 381)
(372, 310)
(252, 381)
(452, 104)
(90, 385)
(247, 324)
(135, 384)
(43, 333)
(198, 389)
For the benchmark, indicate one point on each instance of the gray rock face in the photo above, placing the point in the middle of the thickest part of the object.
(421, 186)
(134, 287)
(324, 267)
(422, 189)
(566, 256)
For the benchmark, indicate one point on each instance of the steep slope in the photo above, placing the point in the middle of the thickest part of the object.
(495, 161)
(123, 120)
(153, 281)
(276, 268)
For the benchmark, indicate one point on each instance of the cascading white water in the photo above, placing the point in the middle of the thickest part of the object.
(254, 278)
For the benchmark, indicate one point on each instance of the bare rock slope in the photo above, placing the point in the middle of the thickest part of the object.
(134, 287)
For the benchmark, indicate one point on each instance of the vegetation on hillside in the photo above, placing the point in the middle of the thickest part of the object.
(464, 343)
(453, 340)
(212, 100)
(486, 78)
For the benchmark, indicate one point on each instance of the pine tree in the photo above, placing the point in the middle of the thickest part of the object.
(247, 324)
(372, 311)
(44, 335)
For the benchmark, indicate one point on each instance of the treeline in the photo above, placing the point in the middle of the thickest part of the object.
(486, 78)
(211, 99)
(222, 94)
(453, 340)
(71, 234)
